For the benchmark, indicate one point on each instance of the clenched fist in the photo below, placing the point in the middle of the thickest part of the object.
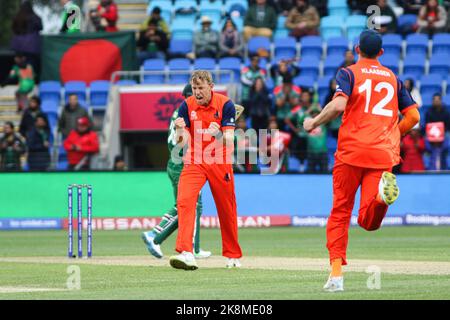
(179, 123)
(214, 129)
(309, 124)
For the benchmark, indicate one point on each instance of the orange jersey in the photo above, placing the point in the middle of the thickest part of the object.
(369, 135)
(198, 118)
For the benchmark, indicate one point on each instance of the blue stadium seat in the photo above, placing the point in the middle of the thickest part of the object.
(256, 43)
(446, 101)
(406, 76)
(180, 47)
(416, 43)
(164, 5)
(338, 8)
(167, 16)
(406, 20)
(239, 22)
(311, 46)
(126, 82)
(355, 24)
(430, 84)
(230, 63)
(183, 28)
(281, 34)
(205, 64)
(427, 100)
(154, 65)
(304, 82)
(390, 61)
(185, 4)
(50, 90)
(236, 5)
(99, 93)
(52, 120)
(179, 64)
(285, 47)
(441, 43)
(392, 44)
(323, 88)
(414, 64)
(49, 106)
(75, 87)
(210, 9)
(331, 26)
(270, 85)
(336, 46)
(309, 66)
(440, 64)
(281, 22)
(331, 65)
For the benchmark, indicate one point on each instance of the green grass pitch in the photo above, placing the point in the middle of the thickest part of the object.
(399, 248)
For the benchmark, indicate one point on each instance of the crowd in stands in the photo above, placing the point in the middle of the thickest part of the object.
(270, 91)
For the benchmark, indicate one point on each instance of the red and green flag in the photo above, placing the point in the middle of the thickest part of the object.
(87, 56)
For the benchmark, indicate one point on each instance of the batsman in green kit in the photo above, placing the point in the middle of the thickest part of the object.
(169, 222)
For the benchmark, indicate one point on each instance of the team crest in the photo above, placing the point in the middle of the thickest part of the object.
(193, 115)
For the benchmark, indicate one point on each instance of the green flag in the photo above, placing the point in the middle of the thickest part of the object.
(87, 56)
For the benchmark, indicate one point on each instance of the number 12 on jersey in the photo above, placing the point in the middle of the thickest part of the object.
(378, 109)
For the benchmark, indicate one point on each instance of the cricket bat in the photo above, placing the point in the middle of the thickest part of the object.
(239, 110)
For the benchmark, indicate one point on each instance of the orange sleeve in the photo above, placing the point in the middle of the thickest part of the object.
(410, 119)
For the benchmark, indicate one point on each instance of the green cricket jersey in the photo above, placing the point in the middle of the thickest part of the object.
(171, 142)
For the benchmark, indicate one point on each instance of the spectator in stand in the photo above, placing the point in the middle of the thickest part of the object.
(71, 113)
(38, 143)
(282, 7)
(387, 18)
(206, 41)
(23, 73)
(248, 76)
(244, 148)
(360, 6)
(260, 20)
(231, 43)
(317, 150)
(152, 43)
(432, 18)
(259, 105)
(156, 16)
(349, 59)
(287, 97)
(412, 149)
(26, 39)
(81, 145)
(12, 147)
(30, 114)
(106, 16)
(437, 117)
(415, 93)
(303, 20)
(70, 17)
(284, 68)
(411, 6)
(119, 164)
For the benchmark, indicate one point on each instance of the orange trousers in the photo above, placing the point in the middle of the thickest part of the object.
(346, 181)
(221, 181)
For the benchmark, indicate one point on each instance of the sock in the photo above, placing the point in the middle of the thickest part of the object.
(336, 267)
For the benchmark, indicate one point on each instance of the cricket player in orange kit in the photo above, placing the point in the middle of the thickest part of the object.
(206, 123)
(371, 96)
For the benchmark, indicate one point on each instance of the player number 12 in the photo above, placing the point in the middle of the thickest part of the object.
(378, 109)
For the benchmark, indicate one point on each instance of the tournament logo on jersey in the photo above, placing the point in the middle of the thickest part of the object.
(193, 115)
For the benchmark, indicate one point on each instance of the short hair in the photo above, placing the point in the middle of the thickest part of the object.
(201, 75)
(437, 95)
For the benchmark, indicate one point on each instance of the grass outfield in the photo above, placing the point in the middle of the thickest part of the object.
(395, 249)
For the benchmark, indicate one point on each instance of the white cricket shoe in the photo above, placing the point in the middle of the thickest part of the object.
(334, 284)
(387, 188)
(202, 254)
(152, 247)
(233, 263)
(185, 260)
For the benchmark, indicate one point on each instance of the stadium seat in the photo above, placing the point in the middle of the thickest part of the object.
(440, 64)
(441, 43)
(414, 64)
(256, 43)
(281, 22)
(164, 5)
(337, 46)
(311, 46)
(323, 88)
(213, 10)
(75, 87)
(126, 82)
(154, 65)
(338, 8)
(50, 90)
(206, 64)
(430, 84)
(406, 76)
(185, 5)
(179, 64)
(285, 47)
(239, 22)
(99, 93)
(331, 26)
(270, 85)
(309, 66)
(230, 63)
(183, 28)
(236, 5)
(417, 43)
(49, 106)
(355, 24)
(52, 120)
(304, 82)
(392, 44)
(180, 47)
(427, 100)
(406, 20)
(446, 101)
(331, 64)
(390, 61)
(281, 34)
